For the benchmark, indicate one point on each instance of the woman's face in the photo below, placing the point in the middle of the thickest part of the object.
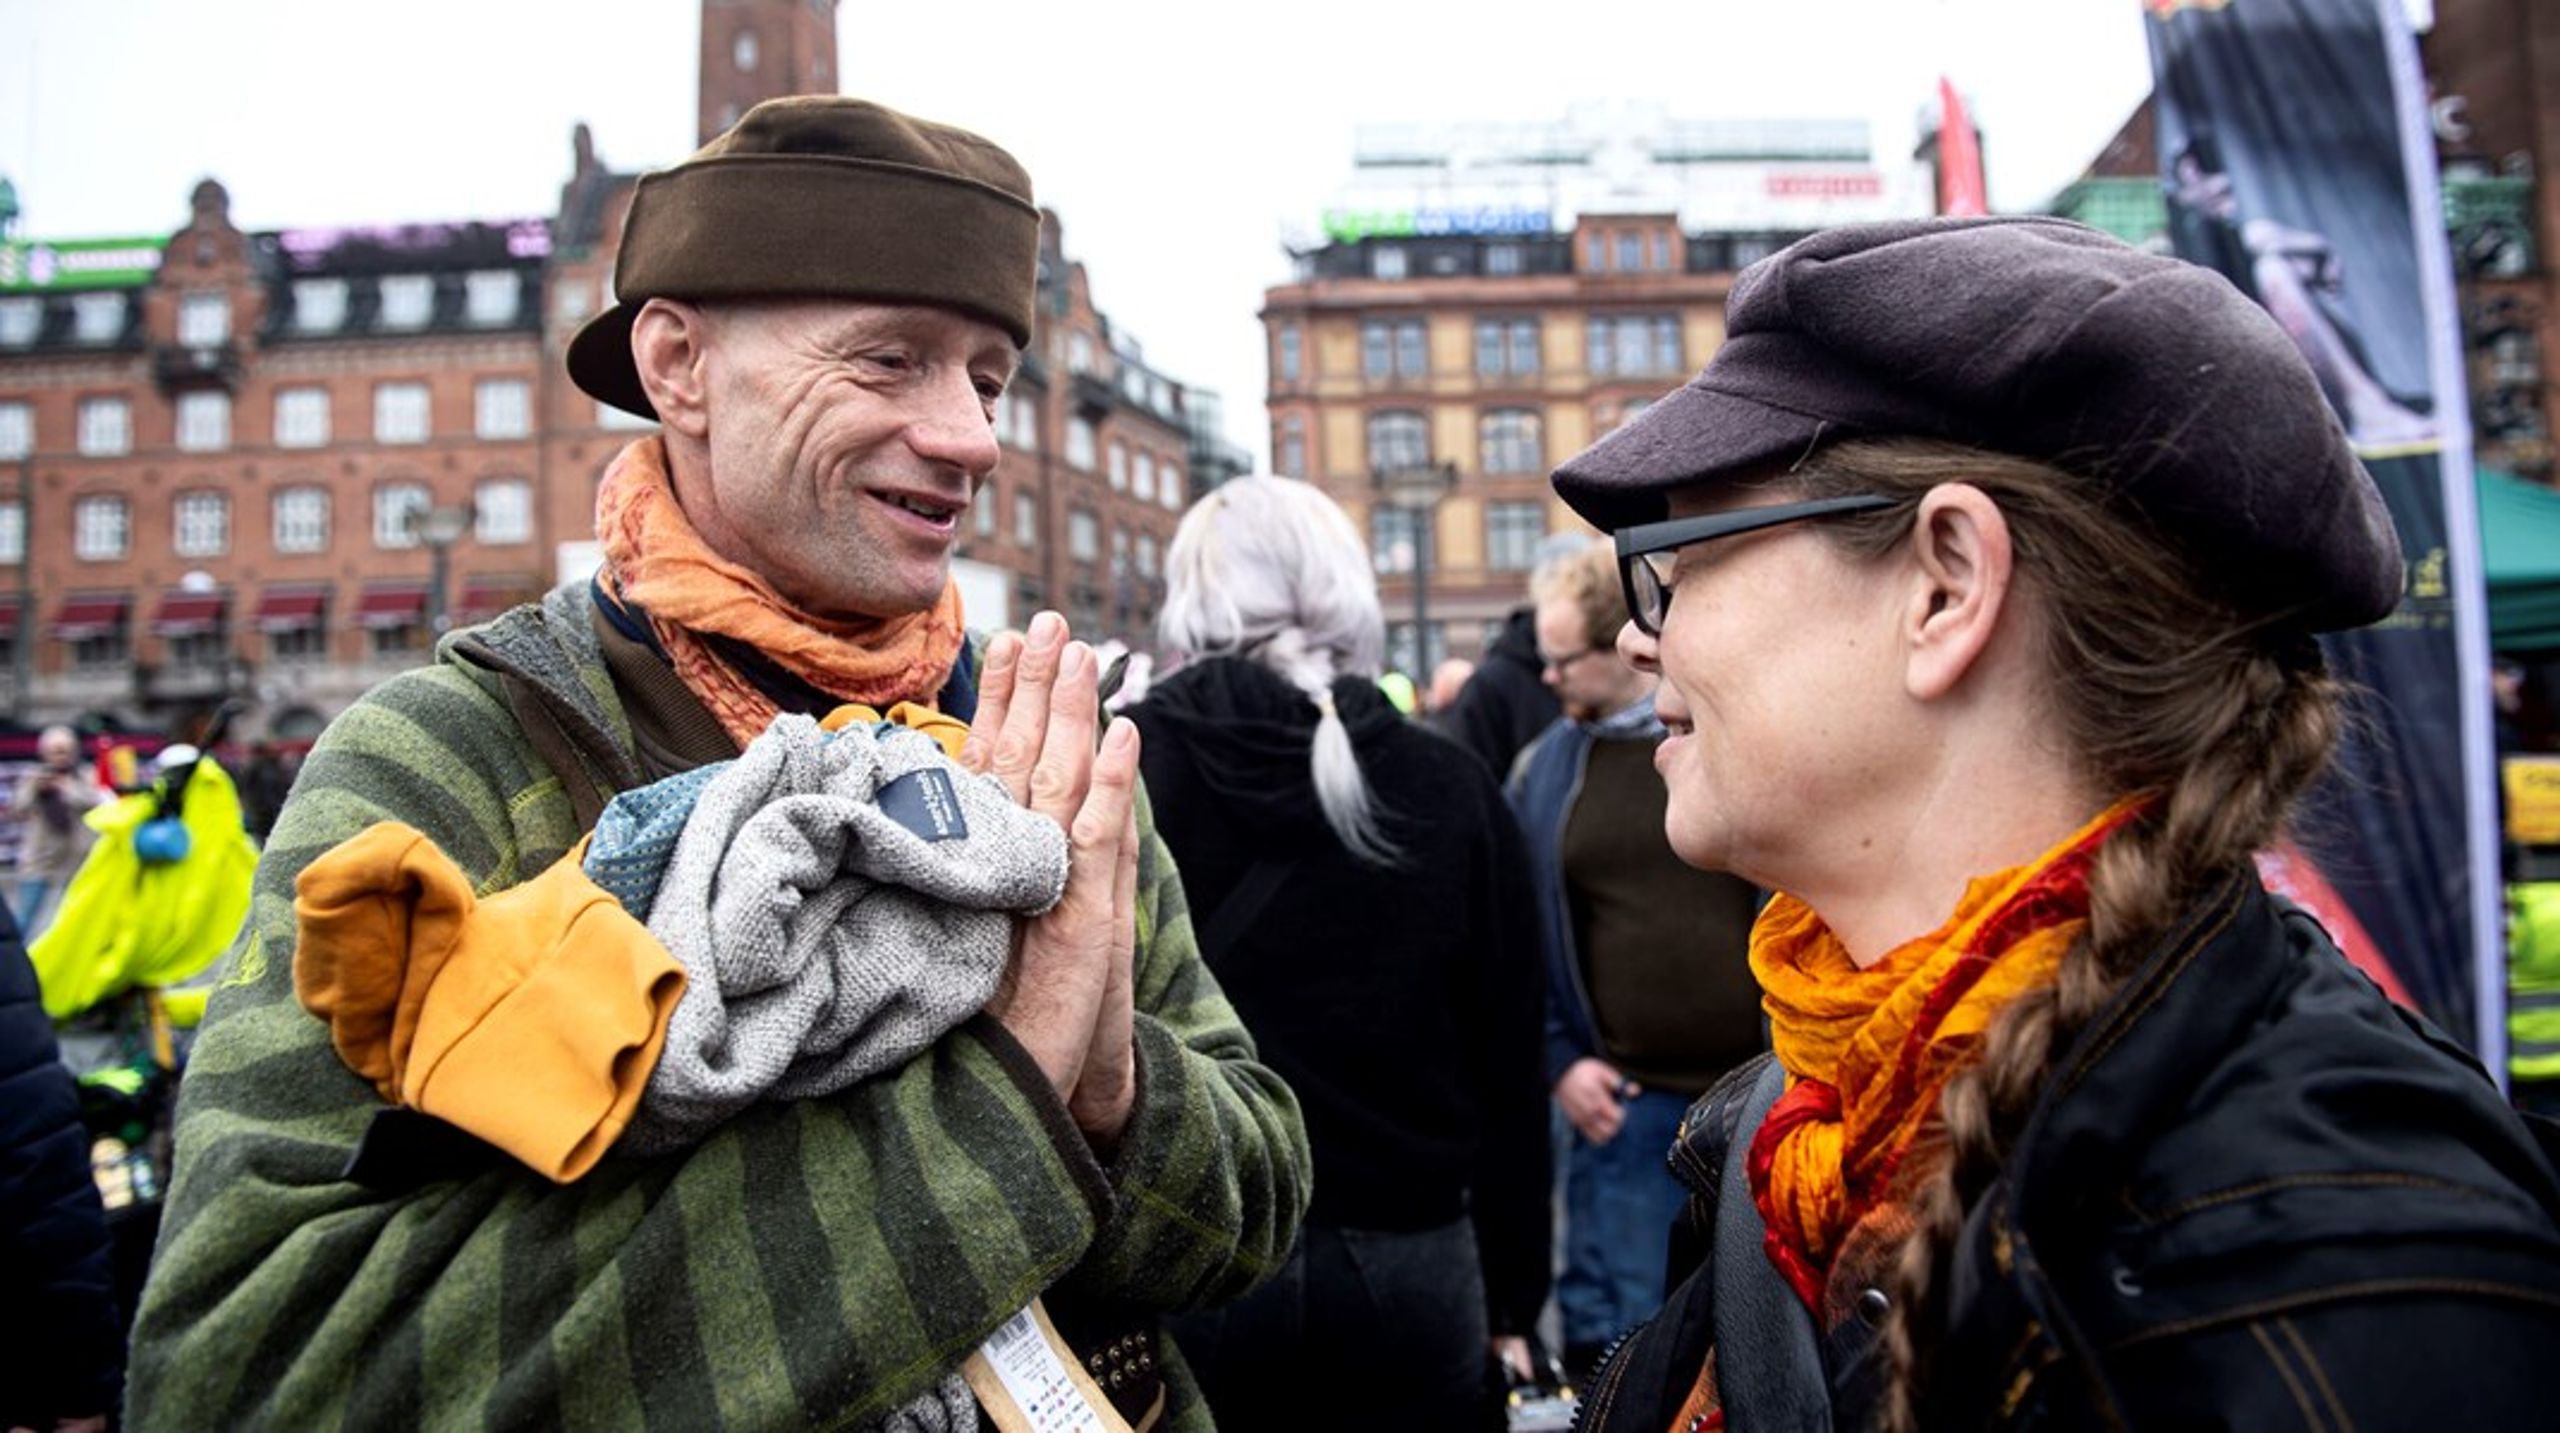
(1782, 691)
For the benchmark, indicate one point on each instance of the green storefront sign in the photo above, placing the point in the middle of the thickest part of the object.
(31, 264)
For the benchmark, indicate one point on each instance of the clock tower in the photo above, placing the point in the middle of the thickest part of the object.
(756, 50)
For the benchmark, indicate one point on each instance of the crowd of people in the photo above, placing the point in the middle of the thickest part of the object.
(1861, 953)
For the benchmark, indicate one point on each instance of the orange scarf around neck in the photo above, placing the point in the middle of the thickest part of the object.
(657, 563)
(1868, 1052)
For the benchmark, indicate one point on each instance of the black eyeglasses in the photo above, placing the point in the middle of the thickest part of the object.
(1648, 586)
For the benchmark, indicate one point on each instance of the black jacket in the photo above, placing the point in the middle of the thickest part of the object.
(1404, 1006)
(2255, 1195)
(1504, 706)
(61, 1349)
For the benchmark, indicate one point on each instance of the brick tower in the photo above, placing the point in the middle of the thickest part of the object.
(763, 49)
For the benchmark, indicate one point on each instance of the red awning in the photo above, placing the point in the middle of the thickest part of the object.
(88, 615)
(189, 614)
(288, 609)
(389, 606)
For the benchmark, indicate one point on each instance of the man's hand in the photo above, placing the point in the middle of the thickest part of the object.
(1590, 1092)
(1512, 1352)
(1066, 995)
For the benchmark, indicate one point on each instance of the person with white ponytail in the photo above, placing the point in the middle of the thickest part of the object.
(1362, 895)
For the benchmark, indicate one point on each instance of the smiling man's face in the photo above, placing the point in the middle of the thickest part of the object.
(846, 441)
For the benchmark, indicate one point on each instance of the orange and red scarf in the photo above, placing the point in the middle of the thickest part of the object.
(655, 561)
(1869, 1051)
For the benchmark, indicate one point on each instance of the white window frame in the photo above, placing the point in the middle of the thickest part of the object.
(392, 503)
(502, 408)
(1142, 476)
(319, 305)
(21, 320)
(302, 417)
(491, 297)
(204, 319)
(1084, 535)
(200, 523)
(101, 527)
(17, 430)
(13, 533)
(408, 301)
(300, 521)
(1169, 477)
(1080, 444)
(1119, 466)
(395, 418)
(204, 421)
(106, 427)
(1026, 520)
(502, 512)
(99, 317)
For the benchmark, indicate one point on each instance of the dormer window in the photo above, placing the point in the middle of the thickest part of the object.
(319, 305)
(408, 301)
(491, 296)
(97, 318)
(204, 320)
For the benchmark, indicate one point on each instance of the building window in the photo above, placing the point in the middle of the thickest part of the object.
(1291, 344)
(20, 321)
(298, 645)
(1119, 552)
(13, 533)
(1506, 347)
(204, 320)
(1512, 532)
(502, 408)
(408, 301)
(1079, 352)
(982, 512)
(1509, 442)
(302, 520)
(101, 529)
(1142, 479)
(1170, 475)
(1402, 657)
(1119, 466)
(102, 651)
(1391, 538)
(1661, 250)
(1291, 455)
(1634, 345)
(742, 51)
(203, 524)
(17, 430)
(302, 417)
(1502, 260)
(502, 511)
(106, 427)
(392, 505)
(1080, 445)
(198, 651)
(397, 639)
(1394, 349)
(1630, 252)
(1595, 251)
(492, 296)
(1387, 261)
(1084, 536)
(400, 413)
(1398, 441)
(1026, 521)
(319, 305)
(1026, 422)
(97, 318)
(204, 422)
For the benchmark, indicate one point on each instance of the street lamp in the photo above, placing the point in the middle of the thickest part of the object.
(439, 529)
(1417, 489)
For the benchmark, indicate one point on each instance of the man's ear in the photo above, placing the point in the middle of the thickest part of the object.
(670, 346)
(1961, 570)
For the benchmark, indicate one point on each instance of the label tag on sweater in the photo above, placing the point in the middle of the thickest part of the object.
(926, 803)
(1028, 1381)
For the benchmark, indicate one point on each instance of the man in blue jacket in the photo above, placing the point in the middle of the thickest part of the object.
(1650, 997)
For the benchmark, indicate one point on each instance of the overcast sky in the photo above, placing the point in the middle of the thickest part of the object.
(1178, 141)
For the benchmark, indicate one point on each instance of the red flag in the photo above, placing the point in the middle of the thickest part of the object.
(1960, 186)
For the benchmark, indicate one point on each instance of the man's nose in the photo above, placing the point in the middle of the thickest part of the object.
(954, 427)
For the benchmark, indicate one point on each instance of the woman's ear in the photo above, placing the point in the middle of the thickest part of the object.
(1961, 566)
(670, 346)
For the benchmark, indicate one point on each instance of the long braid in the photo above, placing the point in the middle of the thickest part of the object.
(2161, 690)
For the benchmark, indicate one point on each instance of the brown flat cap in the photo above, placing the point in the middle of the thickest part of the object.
(821, 197)
(2149, 376)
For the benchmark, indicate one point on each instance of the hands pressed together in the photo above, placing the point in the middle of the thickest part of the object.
(1066, 996)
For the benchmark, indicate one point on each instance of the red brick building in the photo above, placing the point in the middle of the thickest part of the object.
(255, 464)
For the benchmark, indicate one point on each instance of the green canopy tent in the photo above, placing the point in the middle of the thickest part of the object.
(2520, 538)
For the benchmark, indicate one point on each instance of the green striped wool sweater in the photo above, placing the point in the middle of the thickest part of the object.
(808, 1265)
